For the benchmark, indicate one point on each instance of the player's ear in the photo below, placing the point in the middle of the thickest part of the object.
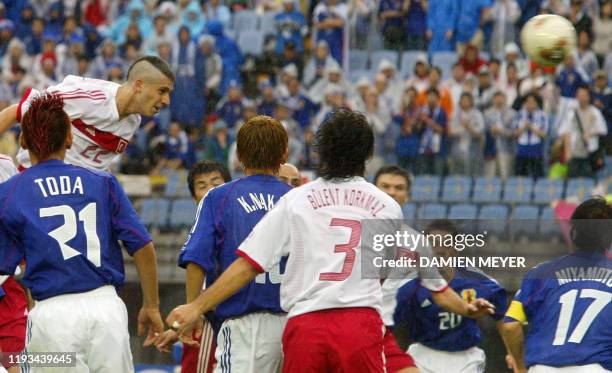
(138, 85)
(22, 142)
(68, 143)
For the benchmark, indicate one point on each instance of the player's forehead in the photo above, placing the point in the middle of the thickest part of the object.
(208, 177)
(392, 179)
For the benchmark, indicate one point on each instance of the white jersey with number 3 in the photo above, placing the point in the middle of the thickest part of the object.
(318, 225)
(98, 133)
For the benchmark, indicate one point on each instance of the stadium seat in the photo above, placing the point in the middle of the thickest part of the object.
(267, 23)
(358, 59)
(580, 187)
(182, 213)
(251, 42)
(408, 61)
(377, 56)
(445, 61)
(518, 190)
(457, 189)
(376, 40)
(432, 211)
(355, 75)
(547, 190)
(173, 185)
(425, 188)
(154, 212)
(463, 211)
(245, 21)
(409, 210)
(524, 219)
(487, 190)
(548, 222)
(493, 219)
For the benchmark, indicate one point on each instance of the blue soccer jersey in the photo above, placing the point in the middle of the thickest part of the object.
(66, 221)
(566, 302)
(225, 218)
(437, 328)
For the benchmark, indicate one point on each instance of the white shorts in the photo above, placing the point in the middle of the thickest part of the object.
(251, 344)
(429, 360)
(93, 324)
(591, 368)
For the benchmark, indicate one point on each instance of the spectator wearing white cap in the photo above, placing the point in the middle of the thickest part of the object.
(485, 90)
(385, 97)
(209, 68)
(362, 87)
(512, 55)
(394, 82)
(334, 99)
(379, 118)
(499, 120)
(14, 58)
(454, 84)
(318, 64)
(160, 34)
(466, 132)
(334, 77)
(287, 73)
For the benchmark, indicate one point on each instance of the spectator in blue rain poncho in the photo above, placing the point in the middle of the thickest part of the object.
(194, 18)
(230, 54)
(441, 20)
(187, 103)
(135, 14)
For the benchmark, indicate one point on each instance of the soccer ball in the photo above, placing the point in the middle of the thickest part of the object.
(548, 39)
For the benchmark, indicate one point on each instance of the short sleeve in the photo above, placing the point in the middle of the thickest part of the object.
(201, 242)
(269, 240)
(523, 303)
(127, 226)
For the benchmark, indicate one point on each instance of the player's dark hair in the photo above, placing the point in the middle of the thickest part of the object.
(394, 170)
(158, 63)
(206, 167)
(591, 225)
(442, 225)
(344, 143)
(262, 143)
(45, 126)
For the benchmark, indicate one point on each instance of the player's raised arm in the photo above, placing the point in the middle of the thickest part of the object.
(148, 316)
(8, 117)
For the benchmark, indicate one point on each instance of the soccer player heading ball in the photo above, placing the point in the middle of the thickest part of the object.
(66, 221)
(334, 320)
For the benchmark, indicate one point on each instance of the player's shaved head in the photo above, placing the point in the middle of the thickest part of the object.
(149, 67)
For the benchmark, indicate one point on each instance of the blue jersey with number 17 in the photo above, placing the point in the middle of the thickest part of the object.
(225, 217)
(567, 303)
(66, 221)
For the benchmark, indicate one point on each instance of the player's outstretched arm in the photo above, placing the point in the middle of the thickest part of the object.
(451, 301)
(510, 361)
(8, 117)
(149, 316)
(512, 333)
(184, 318)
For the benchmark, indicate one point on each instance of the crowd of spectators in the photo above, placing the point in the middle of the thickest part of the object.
(495, 114)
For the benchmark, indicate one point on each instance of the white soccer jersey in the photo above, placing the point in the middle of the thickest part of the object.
(99, 135)
(318, 225)
(7, 168)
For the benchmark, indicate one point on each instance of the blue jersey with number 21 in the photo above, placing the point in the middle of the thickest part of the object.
(66, 221)
(567, 303)
(225, 217)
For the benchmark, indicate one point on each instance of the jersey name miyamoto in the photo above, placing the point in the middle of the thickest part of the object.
(568, 305)
(66, 221)
(99, 135)
(225, 217)
(433, 326)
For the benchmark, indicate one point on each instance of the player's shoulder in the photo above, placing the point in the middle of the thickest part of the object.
(78, 87)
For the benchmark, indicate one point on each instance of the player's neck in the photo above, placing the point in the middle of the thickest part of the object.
(124, 102)
(257, 171)
(59, 156)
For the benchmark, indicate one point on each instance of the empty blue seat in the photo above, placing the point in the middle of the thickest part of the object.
(518, 190)
(251, 42)
(408, 61)
(445, 61)
(463, 211)
(409, 210)
(524, 219)
(355, 75)
(457, 189)
(358, 59)
(154, 212)
(182, 213)
(425, 188)
(487, 190)
(580, 187)
(432, 211)
(493, 219)
(547, 190)
(548, 222)
(378, 56)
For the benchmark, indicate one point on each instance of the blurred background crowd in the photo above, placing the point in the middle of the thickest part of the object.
(444, 83)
